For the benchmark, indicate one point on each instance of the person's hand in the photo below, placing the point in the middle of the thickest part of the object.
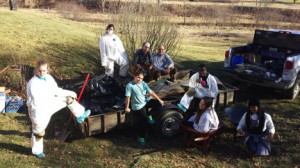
(73, 95)
(127, 110)
(168, 70)
(270, 137)
(241, 132)
(161, 102)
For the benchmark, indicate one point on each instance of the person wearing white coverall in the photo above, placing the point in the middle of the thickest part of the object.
(112, 50)
(44, 98)
(201, 84)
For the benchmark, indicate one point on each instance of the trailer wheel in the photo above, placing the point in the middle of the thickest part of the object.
(293, 92)
(168, 125)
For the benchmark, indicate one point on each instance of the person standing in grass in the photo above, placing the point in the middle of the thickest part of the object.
(257, 128)
(111, 51)
(44, 98)
(201, 84)
(137, 92)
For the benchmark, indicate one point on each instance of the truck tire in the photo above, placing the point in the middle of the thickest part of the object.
(168, 125)
(293, 92)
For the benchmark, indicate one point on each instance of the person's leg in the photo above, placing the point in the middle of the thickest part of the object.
(263, 148)
(251, 145)
(109, 70)
(123, 62)
(39, 124)
(141, 127)
(154, 107)
(172, 74)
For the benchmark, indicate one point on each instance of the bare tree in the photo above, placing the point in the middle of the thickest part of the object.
(151, 25)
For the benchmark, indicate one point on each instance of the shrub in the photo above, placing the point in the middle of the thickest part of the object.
(151, 24)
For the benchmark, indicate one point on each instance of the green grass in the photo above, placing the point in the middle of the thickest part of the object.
(30, 34)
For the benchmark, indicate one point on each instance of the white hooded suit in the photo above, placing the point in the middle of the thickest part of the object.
(200, 91)
(112, 50)
(44, 98)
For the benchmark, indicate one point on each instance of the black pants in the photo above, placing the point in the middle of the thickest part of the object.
(141, 116)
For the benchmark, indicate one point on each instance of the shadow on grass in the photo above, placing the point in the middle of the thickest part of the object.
(15, 148)
(14, 132)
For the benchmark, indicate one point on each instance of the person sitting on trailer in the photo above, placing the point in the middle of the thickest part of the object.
(137, 95)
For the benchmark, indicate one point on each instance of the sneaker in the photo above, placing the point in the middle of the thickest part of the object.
(150, 119)
(141, 141)
(84, 116)
(40, 155)
(181, 107)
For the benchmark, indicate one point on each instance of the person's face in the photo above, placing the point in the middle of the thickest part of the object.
(139, 78)
(202, 105)
(161, 50)
(253, 109)
(202, 72)
(110, 30)
(42, 71)
(146, 49)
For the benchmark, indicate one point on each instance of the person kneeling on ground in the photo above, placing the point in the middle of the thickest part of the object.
(137, 92)
(206, 119)
(44, 98)
(257, 128)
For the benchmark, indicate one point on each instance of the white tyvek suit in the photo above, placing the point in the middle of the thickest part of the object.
(44, 98)
(200, 91)
(112, 50)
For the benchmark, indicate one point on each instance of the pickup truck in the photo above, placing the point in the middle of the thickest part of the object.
(271, 60)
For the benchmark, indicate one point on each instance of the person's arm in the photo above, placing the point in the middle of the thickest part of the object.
(270, 127)
(242, 125)
(169, 62)
(127, 102)
(156, 97)
(149, 55)
(103, 51)
(127, 95)
(192, 81)
(214, 86)
(203, 125)
(192, 119)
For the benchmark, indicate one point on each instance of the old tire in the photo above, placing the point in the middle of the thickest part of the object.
(168, 125)
(293, 92)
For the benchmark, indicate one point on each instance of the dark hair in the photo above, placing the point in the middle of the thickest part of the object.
(257, 129)
(254, 101)
(208, 103)
(202, 65)
(138, 72)
(41, 62)
(109, 26)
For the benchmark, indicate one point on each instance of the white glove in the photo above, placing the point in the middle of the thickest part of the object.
(73, 95)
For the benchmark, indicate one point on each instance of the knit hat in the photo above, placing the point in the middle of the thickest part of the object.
(254, 102)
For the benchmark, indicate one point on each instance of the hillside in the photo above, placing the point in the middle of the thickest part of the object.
(28, 35)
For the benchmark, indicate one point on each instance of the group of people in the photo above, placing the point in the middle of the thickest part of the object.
(44, 97)
(154, 65)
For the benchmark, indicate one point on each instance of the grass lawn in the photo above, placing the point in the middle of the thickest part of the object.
(27, 35)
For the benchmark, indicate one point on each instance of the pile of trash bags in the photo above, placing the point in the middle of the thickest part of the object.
(102, 94)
